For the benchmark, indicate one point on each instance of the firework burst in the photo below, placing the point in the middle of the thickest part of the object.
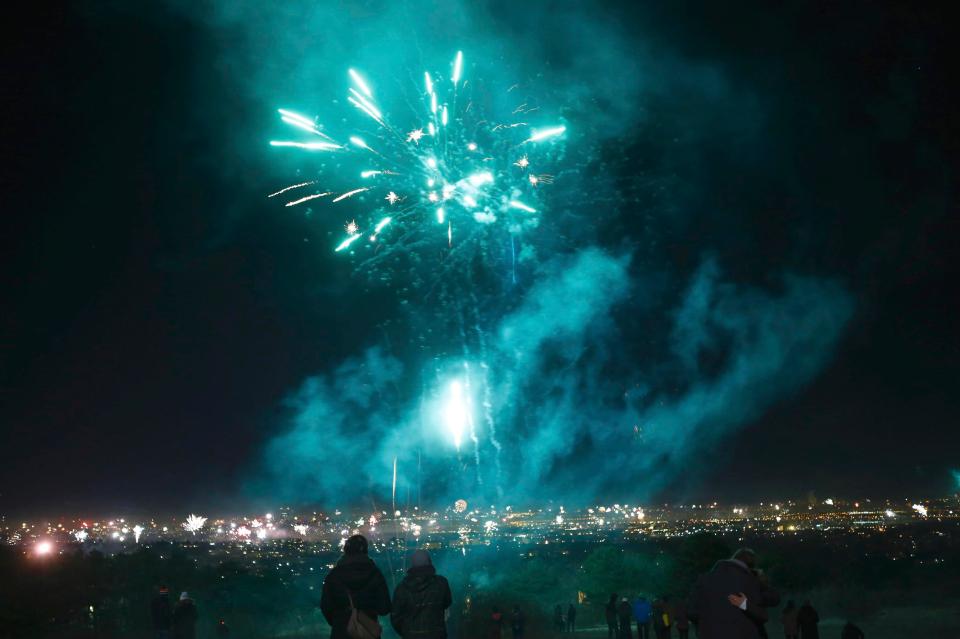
(441, 166)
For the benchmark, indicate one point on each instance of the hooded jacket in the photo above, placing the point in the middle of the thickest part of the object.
(419, 604)
(358, 577)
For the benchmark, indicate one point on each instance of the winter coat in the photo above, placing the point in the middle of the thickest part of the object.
(160, 612)
(184, 620)
(711, 611)
(571, 613)
(611, 612)
(642, 610)
(807, 620)
(624, 611)
(496, 625)
(358, 577)
(419, 604)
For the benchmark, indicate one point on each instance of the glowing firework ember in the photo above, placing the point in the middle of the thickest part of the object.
(194, 524)
(43, 548)
(137, 531)
(921, 510)
(81, 535)
(300, 529)
(451, 154)
(455, 412)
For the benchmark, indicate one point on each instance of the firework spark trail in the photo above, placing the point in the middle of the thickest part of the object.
(543, 134)
(306, 199)
(309, 146)
(350, 193)
(291, 187)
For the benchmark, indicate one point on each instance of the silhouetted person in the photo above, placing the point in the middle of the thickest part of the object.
(680, 619)
(496, 624)
(769, 598)
(611, 614)
(518, 623)
(222, 630)
(662, 618)
(641, 613)
(421, 600)
(725, 602)
(572, 617)
(789, 620)
(558, 618)
(185, 618)
(850, 631)
(625, 617)
(354, 583)
(807, 620)
(161, 614)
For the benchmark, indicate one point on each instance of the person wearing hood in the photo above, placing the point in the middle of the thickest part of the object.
(421, 600)
(807, 620)
(161, 614)
(642, 612)
(354, 583)
(571, 618)
(726, 603)
(185, 618)
(625, 617)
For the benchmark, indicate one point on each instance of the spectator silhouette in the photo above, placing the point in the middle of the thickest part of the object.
(625, 616)
(496, 624)
(769, 598)
(572, 617)
(518, 623)
(807, 620)
(222, 629)
(642, 612)
(662, 618)
(421, 600)
(680, 619)
(850, 631)
(611, 614)
(161, 614)
(354, 583)
(789, 620)
(558, 618)
(725, 602)
(185, 618)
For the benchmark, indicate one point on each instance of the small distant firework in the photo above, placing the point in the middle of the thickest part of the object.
(243, 532)
(137, 530)
(300, 529)
(261, 533)
(456, 412)
(460, 505)
(453, 165)
(43, 548)
(351, 227)
(81, 535)
(489, 526)
(194, 524)
(921, 509)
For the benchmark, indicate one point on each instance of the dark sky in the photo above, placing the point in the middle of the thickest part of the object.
(156, 310)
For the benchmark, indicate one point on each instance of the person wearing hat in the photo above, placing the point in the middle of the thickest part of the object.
(355, 585)
(184, 618)
(421, 600)
(160, 613)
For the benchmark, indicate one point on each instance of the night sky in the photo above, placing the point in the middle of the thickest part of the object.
(158, 309)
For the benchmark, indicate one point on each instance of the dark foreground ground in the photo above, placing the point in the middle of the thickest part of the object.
(899, 583)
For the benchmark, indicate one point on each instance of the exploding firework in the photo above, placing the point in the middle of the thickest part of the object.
(460, 505)
(81, 535)
(194, 524)
(137, 530)
(300, 529)
(441, 168)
